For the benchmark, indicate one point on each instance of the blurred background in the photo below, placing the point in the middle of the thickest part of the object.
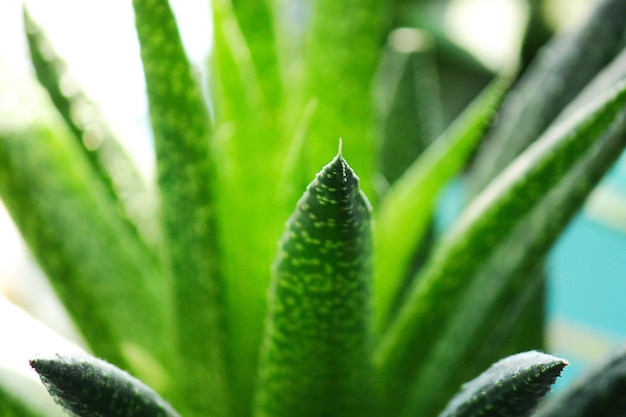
(473, 39)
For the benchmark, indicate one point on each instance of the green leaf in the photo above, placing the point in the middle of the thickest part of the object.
(409, 102)
(406, 209)
(89, 387)
(252, 148)
(511, 387)
(256, 21)
(110, 284)
(598, 393)
(315, 359)
(550, 83)
(340, 79)
(11, 406)
(104, 153)
(450, 297)
(186, 171)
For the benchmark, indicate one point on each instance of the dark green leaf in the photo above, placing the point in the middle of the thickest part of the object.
(315, 359)
(89, 387)
(409, 104)
(511, 387)
(598, 393)
(558, 74)
(449, 299)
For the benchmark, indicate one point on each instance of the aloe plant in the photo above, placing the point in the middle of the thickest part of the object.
(190, 309)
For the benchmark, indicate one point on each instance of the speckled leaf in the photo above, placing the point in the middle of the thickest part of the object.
(511, 387)
(598, 393)
(406, 209)
(105, 154)
(554, 78)
(89, 387)
(461, 264)
(186, 177)
(506, 277)
(316, 352)
(111, 286)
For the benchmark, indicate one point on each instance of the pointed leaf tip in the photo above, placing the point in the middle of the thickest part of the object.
(317, 338)
(340, 147)
(511, 387)
(89, 387)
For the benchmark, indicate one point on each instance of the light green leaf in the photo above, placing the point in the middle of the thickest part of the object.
(340, 79)
(256, 20)
(110, 284)
(511, 387)
(315, 359)
(186, 171)
(448, 300)
(252, 148)
(89, 387)
(10, 406)
(407, 207)
(105, 154)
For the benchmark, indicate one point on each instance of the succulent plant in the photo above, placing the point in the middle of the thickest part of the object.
(365, 308)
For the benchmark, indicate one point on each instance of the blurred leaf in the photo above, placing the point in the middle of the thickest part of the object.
(407, 207)
(451, 297)
(10, 406)
(315, 359)
(340, 57)
(511, 387)
(89, 387)
(110, 284)
(186, 177)
(556, 76)
(597, 393)
(409, 102)
(252, 148)
(104, 152)
(256, 20)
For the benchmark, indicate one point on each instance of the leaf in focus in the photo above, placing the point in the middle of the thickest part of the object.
(598, 393)
(89, 387)
(459, 281)
(315, 359)
(511, 387)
